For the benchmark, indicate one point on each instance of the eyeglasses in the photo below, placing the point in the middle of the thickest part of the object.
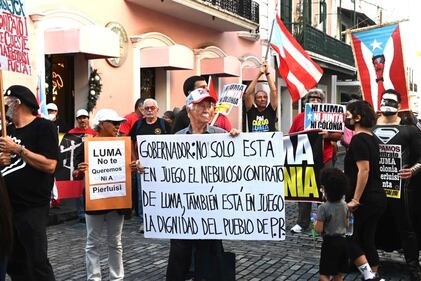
(115, 123)
(151, 108)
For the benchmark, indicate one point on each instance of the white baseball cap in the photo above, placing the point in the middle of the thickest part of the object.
(52, 106)
(82, 112)
(107, 115)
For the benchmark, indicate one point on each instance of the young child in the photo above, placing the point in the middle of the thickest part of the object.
(332, 222)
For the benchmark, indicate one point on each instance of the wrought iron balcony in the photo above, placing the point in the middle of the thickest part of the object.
(244, 8)
(222, 15)
(314, 40)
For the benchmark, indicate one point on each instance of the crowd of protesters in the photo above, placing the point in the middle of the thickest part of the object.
(29, 156)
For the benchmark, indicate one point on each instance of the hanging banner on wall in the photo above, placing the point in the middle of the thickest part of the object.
(14, 45)
(214, 186)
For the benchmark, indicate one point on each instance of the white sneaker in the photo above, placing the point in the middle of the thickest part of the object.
(296, 229)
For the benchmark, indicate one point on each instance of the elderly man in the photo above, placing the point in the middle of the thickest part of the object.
(199, 106)
(182, 120)
(261, 114)
(28, 161)
(82, 124)
(151, 124)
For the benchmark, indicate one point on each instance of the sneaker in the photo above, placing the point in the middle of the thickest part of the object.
(141, 229)
(296, 229)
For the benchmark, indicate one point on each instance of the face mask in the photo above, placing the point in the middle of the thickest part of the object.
(389, 105)
(52, 116)
(10, 110)
(348, 124)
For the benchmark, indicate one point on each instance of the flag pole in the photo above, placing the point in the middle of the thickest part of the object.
(270, 38)
(372, 26)
(3, 111)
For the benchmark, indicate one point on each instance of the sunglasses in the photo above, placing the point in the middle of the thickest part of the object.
(115, 123)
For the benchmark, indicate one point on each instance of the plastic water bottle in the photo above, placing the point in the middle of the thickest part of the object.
(313, 220)
(350, 227)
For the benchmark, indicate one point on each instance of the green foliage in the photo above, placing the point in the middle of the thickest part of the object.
(95, 88)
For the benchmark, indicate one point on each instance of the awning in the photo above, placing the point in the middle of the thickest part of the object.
(168, 57)
(249, 73)
(228, 66)
(94, 41)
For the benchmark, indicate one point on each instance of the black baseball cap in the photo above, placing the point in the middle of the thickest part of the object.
(24, 94)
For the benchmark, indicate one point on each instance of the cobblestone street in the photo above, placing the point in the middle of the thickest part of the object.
(296, 258)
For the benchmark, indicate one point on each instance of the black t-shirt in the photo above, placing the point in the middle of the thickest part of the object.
(364, 147)
(261, 121)
(160, 127)
(408, 136)
(181, 121)
(29, 187)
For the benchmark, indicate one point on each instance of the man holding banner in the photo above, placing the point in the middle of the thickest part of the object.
(199, 104)
(261, 111)
(28, 161)
(400, 217)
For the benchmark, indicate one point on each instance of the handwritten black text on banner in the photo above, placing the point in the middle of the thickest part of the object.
(213, 186)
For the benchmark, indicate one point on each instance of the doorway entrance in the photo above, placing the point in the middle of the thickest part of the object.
(59, 79)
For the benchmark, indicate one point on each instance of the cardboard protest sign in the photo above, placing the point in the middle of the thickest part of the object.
(303, 159)
(108, 179)
(390, 164)
(213, 186)
(70, 146)
(324, 116)
(231, 96)
(14, 45)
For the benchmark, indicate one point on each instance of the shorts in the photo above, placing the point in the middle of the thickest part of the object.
(334, 255)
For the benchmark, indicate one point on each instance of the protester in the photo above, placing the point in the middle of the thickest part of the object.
(107, 123)
(400, 215)
(132, 117)
(366, 199)
(199, 104)
(304, 208)
(82, 124)
(261, 112)
(182, 120)
(169, 117)
(53, 116)
(28, 161)
(332, 222)
(6, 229)
(151, 124)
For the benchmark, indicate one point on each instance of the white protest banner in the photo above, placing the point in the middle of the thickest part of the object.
(214, 186)
(231, 96)
(324, 116)
(14, 46)
(390, 164)
(108, 179)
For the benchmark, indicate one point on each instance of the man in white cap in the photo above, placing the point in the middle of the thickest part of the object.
(82, 124)
(261, 113)
(199, 106)
(54, 117)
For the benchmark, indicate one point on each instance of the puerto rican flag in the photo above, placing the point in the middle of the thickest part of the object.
(298, 70)
(379, 59)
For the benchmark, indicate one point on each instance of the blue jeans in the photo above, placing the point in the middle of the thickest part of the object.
(139, 194)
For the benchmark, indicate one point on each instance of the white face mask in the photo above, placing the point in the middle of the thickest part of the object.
(52, 116)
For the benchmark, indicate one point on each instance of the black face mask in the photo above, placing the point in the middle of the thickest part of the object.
(348, 124)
